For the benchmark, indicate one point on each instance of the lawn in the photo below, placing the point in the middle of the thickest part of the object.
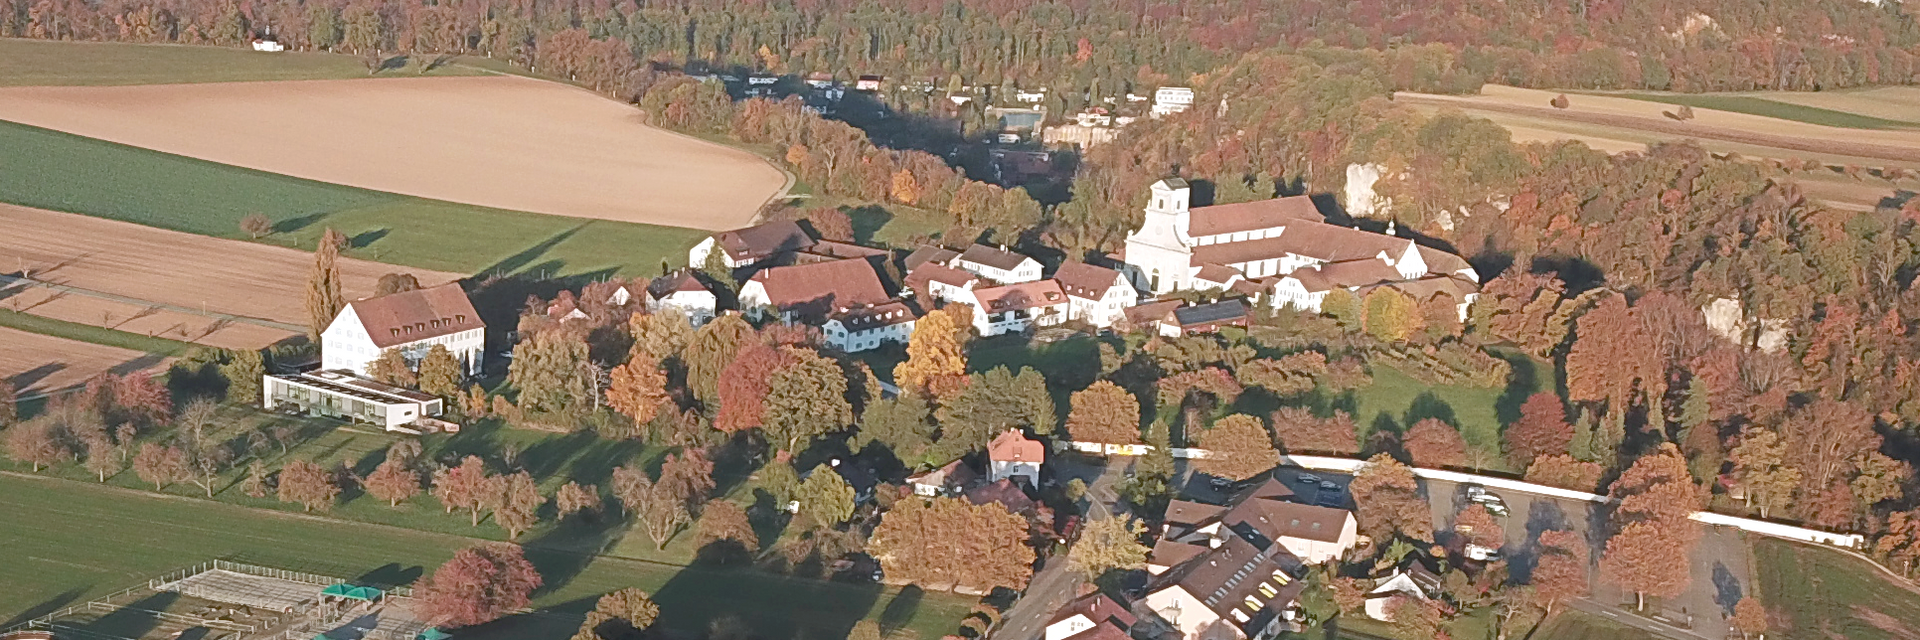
(1395, 401)
(1576, 625)
(1822, 593)
(62, 172)
(41, 62)
(90, 333)
(73, 541)
(1758, 106)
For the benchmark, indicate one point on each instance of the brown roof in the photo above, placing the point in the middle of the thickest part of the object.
(955, 474)
(1082, 280)
(1190, 512)
(1318, 240)
(1424, 288)
(1248, 216)
(763, 240)
(1004, 493)
(1011, 446)
(879, 315)
(1442, 262)
(676, 282)
(1313, 280)
(1223, 578)
(1098, 608)
(1277, 519)
(1024, 295)
(1356, 273)
(1147, 312)
(1253, 287)
(400, 318)
(1167, 553)
(928, 272)
(836, 249)
(928, 253)
(996, 257)
(1211, 272)
(827, 286)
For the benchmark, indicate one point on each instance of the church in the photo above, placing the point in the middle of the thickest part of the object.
(1283, 249)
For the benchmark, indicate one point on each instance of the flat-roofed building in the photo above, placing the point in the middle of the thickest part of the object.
(340, 394)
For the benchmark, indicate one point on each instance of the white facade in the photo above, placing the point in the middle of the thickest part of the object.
(270, 46)
(754, 300)
(347, 345)
(1027, 271)
(1160, 251)
(698, 255)
(1171, 100)
(1318, 551)
(1108, 309)
(339, 394)
(1070, 626)
(699, 306)
(998, 470)
(847, 340)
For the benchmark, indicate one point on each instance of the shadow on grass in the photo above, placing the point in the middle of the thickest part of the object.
(772, 607)
(132, 621)
(47, 606)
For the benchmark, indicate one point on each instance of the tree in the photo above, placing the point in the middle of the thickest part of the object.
(1560, 573)
(308, 484)
(323, 298)
(990, 404)
(1647, 557)
(515, 500)
(256, 225)
(9, 406)
(395, 283)
(393, 482)
(1541, 430)
(935, 364)
(1342, 307)
(687, 476)
(206, 459)
(1391, 316)
(1479, 527)
(637, 388)
(480, 584)
(825, 496)
(659, 511)
(806, 400)
(36, 442)
(900, 425)
(243, 371)
(573, 498)
(950, 541)
(1299, 431)
(1239, 448)
(1107, 544)
(723, 520)
(1659, 488)
(1104, 413)
(1433, 443)
(103, 456)
(1760, 470)
(710, 351)
(1749, 617)
(392, 368)
(1565, 472)
(551, 370)
(715, 267)
(463, 487)
(1387, 500)
(440, 372)
(660, 335)
(620, 615)
(744, 386)
(160, 465)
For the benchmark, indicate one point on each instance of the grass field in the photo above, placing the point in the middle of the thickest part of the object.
(1575, 625)
(1821, 593)
(1763, 106)
(52, 170)
(42, 62)
(69, 542)
(91, 334)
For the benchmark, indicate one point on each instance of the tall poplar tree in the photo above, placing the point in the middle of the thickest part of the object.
(323, 285)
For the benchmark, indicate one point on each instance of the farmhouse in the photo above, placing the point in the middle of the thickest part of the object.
(1284, 243)
(1312, 534)
(1095, 295)
(1015, 307)
(410, 321)
(813, 292)
(752, 245)
(341, 394)
(684, 291)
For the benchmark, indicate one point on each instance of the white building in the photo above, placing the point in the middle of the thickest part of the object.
(1244, 589)
(341, 394)
(270, 46)
(1412, 581)
(744, 247)
(1030, 97)
(1095, 295)
(410, 321)
(1171, 100)
(868, 328)
(1093, 617)
(1015, 307)
(997, 264)
(683, 291)
(1013, 455)
(1180, 247)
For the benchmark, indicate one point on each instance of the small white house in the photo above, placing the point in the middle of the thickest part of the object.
(867, 328)
(1013, 455)
(410, 321)
(683, 291)
(997, 264)
(1411, 581)
(271, 46)
(743, 247)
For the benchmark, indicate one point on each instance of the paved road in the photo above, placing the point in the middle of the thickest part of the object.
(1055, 583)
(9, 281)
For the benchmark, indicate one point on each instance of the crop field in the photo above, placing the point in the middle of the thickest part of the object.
(502, 141)
(34, 363)
(1822, 593)
(42, 62)
(51, 170)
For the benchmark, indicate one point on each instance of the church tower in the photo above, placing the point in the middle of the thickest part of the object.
(1160, 252)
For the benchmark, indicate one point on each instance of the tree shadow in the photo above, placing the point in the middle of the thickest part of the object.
(1429, 405)
(901, 609)
(773, 607)
(47, 606)
(562, 552)
(1524, 383)
(134, 620)
(558, 621)
(1726, 587)
(546, 457)
(290, 225)
(392, 574)
(516, 263)
(595, 465)
(365, 239)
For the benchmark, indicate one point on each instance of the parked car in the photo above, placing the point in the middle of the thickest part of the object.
(1306, 478)
(1329, 485)
(1482, 554)
(1481, 496)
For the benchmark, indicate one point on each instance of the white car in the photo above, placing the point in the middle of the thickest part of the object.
(1482, 554)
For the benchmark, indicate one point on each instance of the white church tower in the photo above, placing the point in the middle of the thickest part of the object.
(1161, 251)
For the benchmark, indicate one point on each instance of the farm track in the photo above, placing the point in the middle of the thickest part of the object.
(1652, 125)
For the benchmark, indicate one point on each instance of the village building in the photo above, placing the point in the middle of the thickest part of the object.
(1243, 589)
(947, 481)
(1096, 295)
(1410, 580)
(870, 327)
(996, 264)
(1013, 455)
(1170, 100)
(811, 293)
(685, 292)
(411, 322)
(1313, 534)
(347, 396)
(752, 245)
(1285, 244)
(1091, 617)
(1014, 308)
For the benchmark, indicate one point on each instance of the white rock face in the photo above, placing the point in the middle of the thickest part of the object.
(1725, 318)
(1360, 199)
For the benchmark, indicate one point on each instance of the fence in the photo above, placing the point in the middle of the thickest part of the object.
(159, 583)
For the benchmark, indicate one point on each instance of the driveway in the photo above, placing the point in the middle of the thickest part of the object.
(1055, 584)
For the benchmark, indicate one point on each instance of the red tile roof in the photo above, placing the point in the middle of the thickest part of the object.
(676, 282)
(1011, 446)
(1215, 273)
(1024, 295)
(763, 240)
(879, 315)
(1082, 280)
(1147, 312)
(996, 257)
(1097, 608)
(408, 316)
(829, 286)
(1248, 216)
(928, 253)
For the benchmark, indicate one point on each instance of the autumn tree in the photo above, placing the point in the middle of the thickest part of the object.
(552, 371)
(393, 482)
(1657, 487)
(463, 487)
(160, 465)
(243, 370)
(1565, 472)
(744, 386)
(1749, 617)
(1290, 375)
(711, 349)
(1434, 443)
(1238, 447)
(1479, 527)
(36, 442)
(395, 283)
(806, 399)
(256, 226)
(990, 404)
(323, 297)
(392, 368)
(660, 512)
(515, 501)
(1541, 430)
(440, 372)
(308, 484)
(687, 476)
(103, 456)
(1390, 316)
(825, 496)
(1760, 470)
(1387, 500)
(1560, 573)
(900, 425)
(637, 388)
(1647, 559)
(936, 364)
(479, 585)
(575, 498)
(1104, 413)
(951, 541)
(1108, 544)
(621, 615)
(660, 335)
(1299, 431)
(725, 521)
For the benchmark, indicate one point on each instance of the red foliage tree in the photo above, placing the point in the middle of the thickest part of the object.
(1299, 431)
(478, 585)
(1541, 430)
(1433, 443)
(1560, 574)
(744, 385)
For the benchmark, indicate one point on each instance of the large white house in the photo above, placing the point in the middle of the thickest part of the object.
(813, 291)
(870, 327)
(410, 321)
(1095, 295)
(1283, 244)
(744, 247)
(1014, 455)
(1015, 307)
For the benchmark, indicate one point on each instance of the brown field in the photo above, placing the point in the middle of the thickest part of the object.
(34, 363)
(159, 283)
(498, 141)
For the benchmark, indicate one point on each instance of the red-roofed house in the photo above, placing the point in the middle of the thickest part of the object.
(1096, 295)
(743, 247)
(1094, 617)
(813, 292)
(683, 291)
(1014, 307)
(866, 328)
(410, 321)
(1013, 455)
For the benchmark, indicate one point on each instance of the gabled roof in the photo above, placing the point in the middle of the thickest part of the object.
(1359, 273)
(1248, 216)
(1082, 280)
(1012, 446)
(420, 314)
(1428, 287)
(879, 315)
(1317, 240)
(763, 240)
(996, 257)
(1097, 608)
(1003, 492)
(1211, 272)
(1190, 512)
(927, 272)
(826, 286)
(1168, 552)
(954, 474)
(1147, 312)
(1211, 313)
(1280, 519)
(1231, 576)
(928, 253)
(682, 281)
(1020, 296)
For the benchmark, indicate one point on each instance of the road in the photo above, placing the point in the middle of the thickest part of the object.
(1055, 583)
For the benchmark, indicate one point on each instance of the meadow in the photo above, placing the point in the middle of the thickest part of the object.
(49, 63)
(1822, 593)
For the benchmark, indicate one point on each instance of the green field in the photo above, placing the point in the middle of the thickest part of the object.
(42, 62)
(1395, 401)
(53, 170)
(89, 333)
(1823, 593)
(1576, 625)
(1759, 106)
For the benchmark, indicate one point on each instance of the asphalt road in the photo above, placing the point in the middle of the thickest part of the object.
(1055, 584)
